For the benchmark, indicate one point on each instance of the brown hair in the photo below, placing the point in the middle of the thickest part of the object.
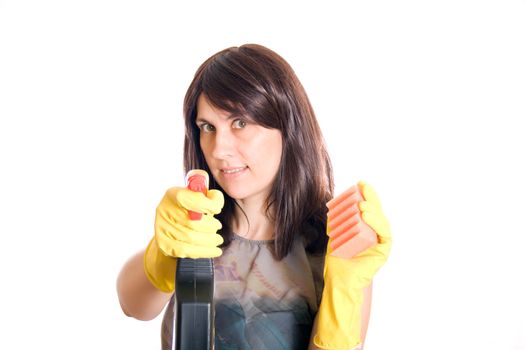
(254, 81)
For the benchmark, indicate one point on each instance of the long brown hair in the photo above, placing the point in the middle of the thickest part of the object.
(254, 81)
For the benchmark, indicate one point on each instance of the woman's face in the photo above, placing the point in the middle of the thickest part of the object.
(243, 157)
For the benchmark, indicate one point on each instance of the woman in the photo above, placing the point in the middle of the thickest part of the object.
(250, 125)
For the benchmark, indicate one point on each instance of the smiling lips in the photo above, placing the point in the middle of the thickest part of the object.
(233, 170)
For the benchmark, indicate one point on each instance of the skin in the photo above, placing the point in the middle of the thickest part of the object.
(232, 143)
(244, 159)
(137, 296)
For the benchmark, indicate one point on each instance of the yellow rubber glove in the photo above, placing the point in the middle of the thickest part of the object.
(176, 236)
(339, 315)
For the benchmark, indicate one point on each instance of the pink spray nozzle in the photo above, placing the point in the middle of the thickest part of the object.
(197, 180)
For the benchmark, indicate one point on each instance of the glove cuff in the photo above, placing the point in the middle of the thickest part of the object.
(339, 318)
(159, 268)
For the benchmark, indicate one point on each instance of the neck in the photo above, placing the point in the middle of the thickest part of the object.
(252, 222)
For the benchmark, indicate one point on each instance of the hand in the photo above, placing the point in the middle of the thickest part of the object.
(339, 316)
(176, 236)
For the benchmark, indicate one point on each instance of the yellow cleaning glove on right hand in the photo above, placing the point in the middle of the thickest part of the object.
(339, 315)
(176, 236)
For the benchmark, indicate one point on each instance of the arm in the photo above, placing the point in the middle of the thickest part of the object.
(147, 281)
(365, 317)
(137, 296)
(340, 312)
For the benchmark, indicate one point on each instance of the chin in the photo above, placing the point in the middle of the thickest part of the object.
(236, 192)
(236, 195)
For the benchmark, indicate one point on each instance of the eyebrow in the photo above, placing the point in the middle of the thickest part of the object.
(230, 117)
(200, 120)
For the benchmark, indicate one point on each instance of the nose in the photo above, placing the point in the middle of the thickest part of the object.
(223, 145)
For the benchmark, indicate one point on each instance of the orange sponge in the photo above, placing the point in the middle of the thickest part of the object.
(349, 234)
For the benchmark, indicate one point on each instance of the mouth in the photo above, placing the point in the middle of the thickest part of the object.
(233, 170)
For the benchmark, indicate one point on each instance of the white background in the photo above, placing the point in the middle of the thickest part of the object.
(423, 99)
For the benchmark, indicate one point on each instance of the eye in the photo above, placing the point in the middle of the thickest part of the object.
(239, 123)
(205, 127)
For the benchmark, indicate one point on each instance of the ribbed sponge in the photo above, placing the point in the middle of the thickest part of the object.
(349, 234)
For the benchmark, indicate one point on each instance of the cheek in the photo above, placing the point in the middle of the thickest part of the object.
(268, 153)
(206, 150)
(277, 151)
(205, 146)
